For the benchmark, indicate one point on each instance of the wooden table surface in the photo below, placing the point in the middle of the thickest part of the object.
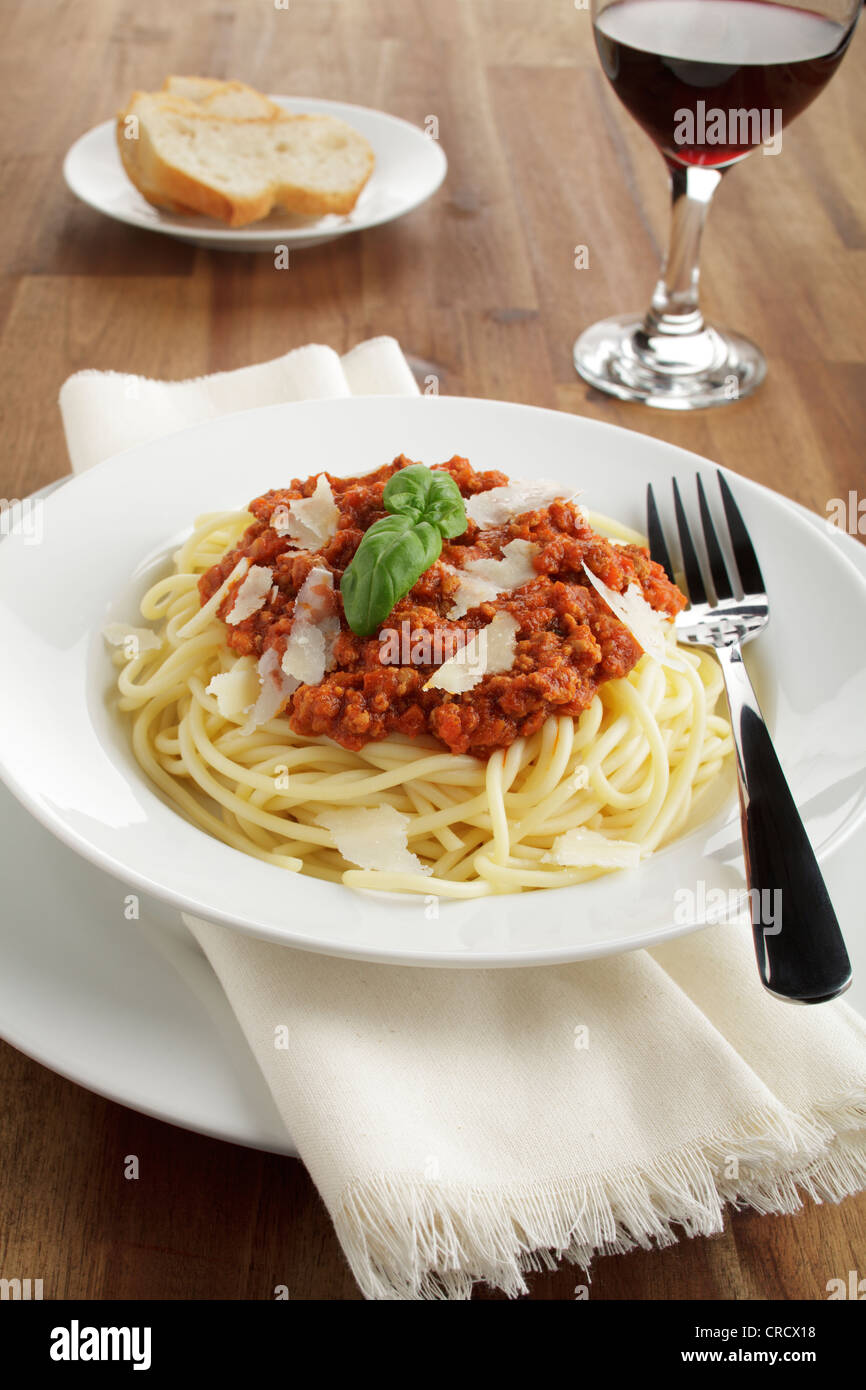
(481, 289)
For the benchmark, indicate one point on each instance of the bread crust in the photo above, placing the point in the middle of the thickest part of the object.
(166, 186)
(211, 90)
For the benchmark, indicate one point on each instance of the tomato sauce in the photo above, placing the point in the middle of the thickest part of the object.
(568, 644)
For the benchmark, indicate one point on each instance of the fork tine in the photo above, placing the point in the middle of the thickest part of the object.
(655, 535)
(694, 578)
(718, 568)
(744, 552)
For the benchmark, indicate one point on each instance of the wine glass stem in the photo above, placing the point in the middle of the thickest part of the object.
(674, 308)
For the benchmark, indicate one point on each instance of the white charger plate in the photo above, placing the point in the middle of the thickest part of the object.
(410, 166)
(132, 1010)
(65, 752)
(129, 1008)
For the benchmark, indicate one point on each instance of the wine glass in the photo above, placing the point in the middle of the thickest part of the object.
(709, 80)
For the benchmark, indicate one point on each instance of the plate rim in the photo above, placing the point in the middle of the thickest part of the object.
(384, 954)
(252, 236)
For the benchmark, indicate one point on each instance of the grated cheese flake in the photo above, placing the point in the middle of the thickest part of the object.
(237, 689)
(275, 689)
(200, 619)
(588, 849)
(499, 504)
(481, 580)
(488, 652)
(373, 838)
(309, 521)
(315, 629)
(250, 597)
(501, 643)
(646, 626)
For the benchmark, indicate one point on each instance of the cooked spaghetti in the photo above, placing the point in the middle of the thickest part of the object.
(522, 718)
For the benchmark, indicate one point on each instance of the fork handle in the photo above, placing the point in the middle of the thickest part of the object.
(798, 942)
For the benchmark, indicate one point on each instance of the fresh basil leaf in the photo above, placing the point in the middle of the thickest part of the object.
(406, 492)
(393, 555)
(424, 495)
(445, 508)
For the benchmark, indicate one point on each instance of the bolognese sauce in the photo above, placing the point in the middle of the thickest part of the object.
(568, 642)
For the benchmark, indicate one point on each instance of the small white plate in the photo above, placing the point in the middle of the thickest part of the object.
(132, 1010)
(410, 166)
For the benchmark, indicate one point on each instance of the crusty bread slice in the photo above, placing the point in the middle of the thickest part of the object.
(130, 147)
(237, 169)
(217, 98)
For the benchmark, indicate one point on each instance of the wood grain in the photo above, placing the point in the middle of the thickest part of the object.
(480, 287)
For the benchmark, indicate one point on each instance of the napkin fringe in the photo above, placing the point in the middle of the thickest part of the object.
(412, 1238)
(840, 1170)
(838, 1174)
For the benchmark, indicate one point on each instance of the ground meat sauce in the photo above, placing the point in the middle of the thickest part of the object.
(568, 644)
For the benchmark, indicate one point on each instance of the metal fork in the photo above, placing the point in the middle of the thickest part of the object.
(800, 951)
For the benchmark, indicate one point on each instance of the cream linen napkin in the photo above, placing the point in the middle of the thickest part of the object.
(473, 1125)
(106, 412)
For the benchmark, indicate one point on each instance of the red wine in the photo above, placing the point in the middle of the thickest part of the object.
(711, 79)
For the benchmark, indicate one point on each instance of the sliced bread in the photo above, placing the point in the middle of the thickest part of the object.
(197, 147)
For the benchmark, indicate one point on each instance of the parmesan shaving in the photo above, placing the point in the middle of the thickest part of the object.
(481, 580)
(315, 629)
(275, 691)
(588, 849)
(309, 521)
(373, 838)
(251, 595)
(499, 504)
(647, 627)
(471, 592)
(134, 640)
(487, 653)
(200, 620)
(501, 643)
(236, 690)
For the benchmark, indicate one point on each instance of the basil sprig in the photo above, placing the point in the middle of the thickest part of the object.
(424, 507)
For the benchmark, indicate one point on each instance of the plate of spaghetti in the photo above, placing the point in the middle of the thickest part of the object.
(398, 679)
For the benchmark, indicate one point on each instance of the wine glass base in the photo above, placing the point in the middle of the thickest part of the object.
(689, 373)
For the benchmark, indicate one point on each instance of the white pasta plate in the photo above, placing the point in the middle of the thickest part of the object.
(85, 559)
(409, 168)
